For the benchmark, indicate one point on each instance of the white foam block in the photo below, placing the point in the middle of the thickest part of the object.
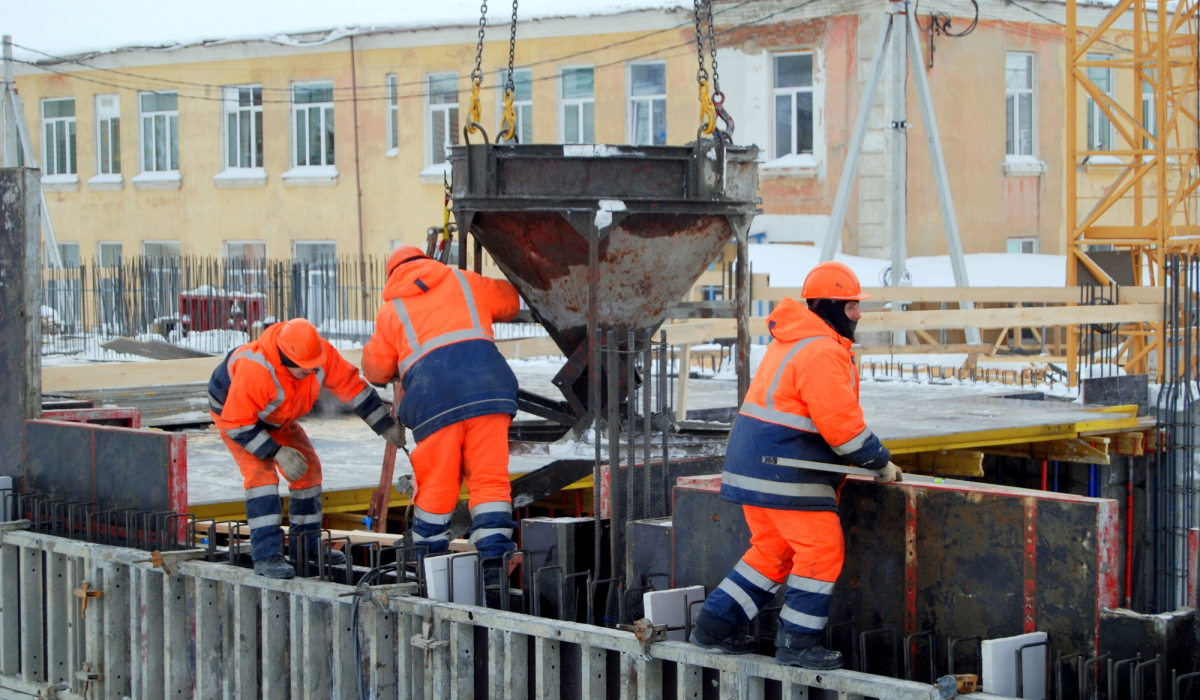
(438, 582)
(6, 506)
(667, 608)
(1000, 666)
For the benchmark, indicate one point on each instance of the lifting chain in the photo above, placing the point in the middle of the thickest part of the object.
(712, 100)
(508, 122)
(473, 115)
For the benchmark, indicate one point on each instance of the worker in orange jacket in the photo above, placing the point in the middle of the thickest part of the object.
(434, 332)
(801, 404)
(256, 396)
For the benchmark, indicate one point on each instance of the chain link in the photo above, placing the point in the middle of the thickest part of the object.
(512, 50)
(712, 49)
(702, 73)
(473, 109)
(508, 121)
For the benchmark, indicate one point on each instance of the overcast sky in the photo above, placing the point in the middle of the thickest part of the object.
(72, 26)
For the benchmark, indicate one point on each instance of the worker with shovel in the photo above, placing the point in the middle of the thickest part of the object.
(457, 394)
(802, 404)
(256, 396)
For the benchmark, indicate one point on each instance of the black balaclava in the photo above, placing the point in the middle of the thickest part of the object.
(833, 312)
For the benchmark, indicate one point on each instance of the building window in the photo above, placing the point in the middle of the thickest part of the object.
(312, 109)
(316, 267)
(1149, 115)
(393, 115)
(1099, 128)
(161, 250)
(110, 254)
(522, 102)
(1018, 84)
(793, 104)
(648, 104)
(443, 116)
(108, 134)
(245, 250)
(243, 127)
(1022, 245)
(578, 115)
(160, 131)
(58, 119)
(68, 255)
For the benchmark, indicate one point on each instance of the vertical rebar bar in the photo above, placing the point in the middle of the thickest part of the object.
(647, 486)
(616, 499)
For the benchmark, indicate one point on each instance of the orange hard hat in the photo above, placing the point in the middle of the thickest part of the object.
(832, 280)
(403, 254)
(299, 340)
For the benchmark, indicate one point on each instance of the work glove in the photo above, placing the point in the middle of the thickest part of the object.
(889, 474)
(291, 462)
(394, 434)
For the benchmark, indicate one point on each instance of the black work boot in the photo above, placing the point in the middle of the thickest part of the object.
(712, 632)
(333, 557)
(494, 586)
(274, 567)
(805, 651)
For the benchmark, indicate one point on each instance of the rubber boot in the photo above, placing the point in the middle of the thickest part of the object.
(711, 632)
(805, 651)
(274, 567)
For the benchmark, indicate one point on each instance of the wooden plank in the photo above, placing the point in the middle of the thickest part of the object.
(943, 462)
(951, 349)
(153, 349)
(1092, 450)
(985, 295)
(128, 374)
(537, 346)
(1010, 318)
(1034, 359)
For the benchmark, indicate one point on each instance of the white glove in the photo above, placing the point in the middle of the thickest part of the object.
(291, 462)
(889, 474)
(394, 435)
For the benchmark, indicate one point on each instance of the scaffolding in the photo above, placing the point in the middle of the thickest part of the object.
(1134, 166)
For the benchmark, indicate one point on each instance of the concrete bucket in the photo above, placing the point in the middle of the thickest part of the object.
(598, 236)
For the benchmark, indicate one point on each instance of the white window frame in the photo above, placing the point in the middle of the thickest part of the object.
(51, 165)
(523, 108)
(100, 251)
(105, 127)
(226, 244)
(163, 242)
(1020, 242)
(631, 100)
(1149, 114)
(171, 145)
(1094, 111)
(393, 115)
(792, 92)
(62, 256)
(1013, 112)
(578, 102)
(442, 110)
(231, 107)
(325, 111)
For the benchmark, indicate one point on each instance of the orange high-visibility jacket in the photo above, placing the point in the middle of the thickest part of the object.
(434, 331)
(801, 404)
(252, 392)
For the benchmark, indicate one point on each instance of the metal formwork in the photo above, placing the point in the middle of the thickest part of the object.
(210, 630)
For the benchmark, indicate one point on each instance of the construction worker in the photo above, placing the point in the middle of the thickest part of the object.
(434, 332)
(256, 396)
(801, 404)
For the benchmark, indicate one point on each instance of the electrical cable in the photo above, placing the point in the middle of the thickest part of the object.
(422, 94)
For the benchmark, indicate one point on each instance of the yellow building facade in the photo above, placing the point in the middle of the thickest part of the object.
(311, 145)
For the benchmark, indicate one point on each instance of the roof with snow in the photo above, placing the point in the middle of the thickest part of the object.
(85, 26)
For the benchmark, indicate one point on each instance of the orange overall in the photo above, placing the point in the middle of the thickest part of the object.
(434, 331)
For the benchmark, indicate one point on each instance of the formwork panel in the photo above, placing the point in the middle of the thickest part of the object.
(984, 560)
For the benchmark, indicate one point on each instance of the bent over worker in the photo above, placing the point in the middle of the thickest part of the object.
(434, 331)
(801, 404)
(256, 396)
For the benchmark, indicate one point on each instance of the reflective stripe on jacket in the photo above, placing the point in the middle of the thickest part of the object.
(801, 404)
(434, 332)
(252, 391)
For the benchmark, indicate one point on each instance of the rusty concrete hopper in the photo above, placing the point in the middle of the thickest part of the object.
(598, 236)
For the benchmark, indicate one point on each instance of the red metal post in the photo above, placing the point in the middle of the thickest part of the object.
(1030, 609)
(1045, 468)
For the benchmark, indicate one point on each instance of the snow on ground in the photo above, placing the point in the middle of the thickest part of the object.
(85, 25)
(788, 265)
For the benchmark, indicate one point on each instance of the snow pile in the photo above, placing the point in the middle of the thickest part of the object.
(788, 265)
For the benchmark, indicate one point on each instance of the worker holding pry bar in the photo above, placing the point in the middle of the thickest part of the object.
(801, 404)
(256, 396)
(458, 394)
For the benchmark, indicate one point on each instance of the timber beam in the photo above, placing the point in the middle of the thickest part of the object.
(942, 462)
(1093, 450)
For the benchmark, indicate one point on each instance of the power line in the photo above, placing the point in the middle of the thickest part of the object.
(1051, 20)
(620, 61)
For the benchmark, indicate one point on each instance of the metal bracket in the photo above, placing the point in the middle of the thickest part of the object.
(83, 593)
(87, 675)
(426, 643)
(647, 633)
(167, 561)
(901, 124)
